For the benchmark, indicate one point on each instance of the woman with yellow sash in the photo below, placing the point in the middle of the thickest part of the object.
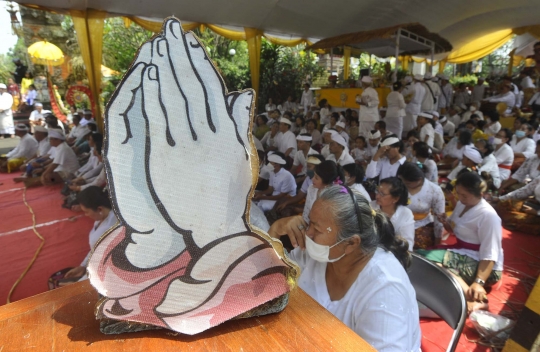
(426, 202)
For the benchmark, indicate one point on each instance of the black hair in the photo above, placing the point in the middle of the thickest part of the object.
(487, 146)
(422, 149)
(92, 127)
(32, 86)
(397, 85)
(397, 189)
(355, 171)
(475, 116)
(329, 172)
(311, 120)
(381, 124)
(412, 133)
(472, 182)
(465, 136)
(529, 127)
(288, 113)
(94, 197)
(264, 118)
(480, 124)
(362, 138)
(97, 138)
(472, 123)
(322, 103)
(411, 172)
(508, 133)
(398, 144)
(493, 116)
(335, 115)
(302, 119)
(521, 120)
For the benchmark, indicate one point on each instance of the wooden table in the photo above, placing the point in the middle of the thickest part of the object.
(63, 319)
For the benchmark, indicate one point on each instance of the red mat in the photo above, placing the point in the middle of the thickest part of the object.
(66, 244)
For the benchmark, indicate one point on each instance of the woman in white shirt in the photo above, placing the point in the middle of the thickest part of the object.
(354, 266)
(354, 176)
(387, 159)
(392, 198)
(426, 202)
(325, 112)
(270, 138)
(96, 205)
(270, 106)
(396, 110)
(529, 169)
(477, 258)
(425, 128)
(503, 153)
(489, 165)
(422, 154)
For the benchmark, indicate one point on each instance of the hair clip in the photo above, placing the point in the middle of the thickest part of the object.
(343, 190)
(338, 181)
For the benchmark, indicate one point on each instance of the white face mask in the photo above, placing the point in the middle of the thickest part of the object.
(319, 252)
(497, 141)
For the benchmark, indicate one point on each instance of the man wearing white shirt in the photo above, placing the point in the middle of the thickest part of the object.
(290, 105)
(41, 135)
(25, 150)
(281, 184)
(416, 92)
(307, 98)
(87, 117)
(493, 125)
(428, 102)
(304, 150)
(37, 117)
(506, 96)
(435, 89)
(479, 91)
(447, 94)
(462, 95)
(286, 140)
(526, 80)
(369, 107)
(76, 132)
(387, 160)
(65, 162)
(327, 138)
(340, 127)
(521, 144)
(449, 129)
(270, 106)
(339, 151)
(374, 140)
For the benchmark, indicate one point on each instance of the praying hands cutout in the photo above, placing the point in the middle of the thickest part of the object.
(180, 168)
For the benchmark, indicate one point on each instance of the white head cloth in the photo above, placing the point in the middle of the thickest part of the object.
(277, 159)
(435, 113)
(367, 79)
(339, 140)
(419, 77)
(389, 141)
(38, 105)
(285, 120)
(408, 79)
(3, 86)
(442, 119)
(40, 129)
(304, 138)
(54, 133)
(313, 160)
(473, 154)
(428, 75)
(374, 135)
(427, 116)
(340, 124)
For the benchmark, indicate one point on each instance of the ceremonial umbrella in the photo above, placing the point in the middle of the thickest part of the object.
(45, 53)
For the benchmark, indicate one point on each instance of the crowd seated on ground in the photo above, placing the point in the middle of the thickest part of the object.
(350, 192)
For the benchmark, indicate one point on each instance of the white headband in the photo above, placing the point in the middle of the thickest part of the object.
(374, 135)
(313, 160)
(442, 119)
(339, 139)
(340, 124)
(21, 127)
(285, 120)
(435, 113)
(473, 154)
(54, 133)
(40, 129)
(38, 104)
(389, 141)
(276, 159)
(427, 116)
(304, 138)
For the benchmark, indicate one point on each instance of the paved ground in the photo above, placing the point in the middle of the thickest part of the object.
(7, 144)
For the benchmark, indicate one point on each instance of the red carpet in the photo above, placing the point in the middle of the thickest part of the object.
(66, 244)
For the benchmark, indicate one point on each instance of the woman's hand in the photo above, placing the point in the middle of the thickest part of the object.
(77, 271)
(380, 153)
(294, 227)
(476, 293)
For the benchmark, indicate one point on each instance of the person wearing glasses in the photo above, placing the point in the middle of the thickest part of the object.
(354, 265)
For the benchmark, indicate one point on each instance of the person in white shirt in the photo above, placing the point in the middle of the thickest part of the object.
(311, 128)
(489, 164)
(6, 114)
(414, 96)
(374, 141)
(472, 158)
(282, 184)
(438, 128)
(307, 98)
(327, 138)
(392, 198)
(270, 106)
(503, 153)
(368, 301)
(425, 128)
(369, 107)
(334, 118)
(477, 259)
(290, 105)
(360, 152)
(324, 112)
(286, 141)
(269, 140)
(493, 126)
(93, 166)
(41, 136)
(529, 170)
(449, 129)
(340, 128)
(521, 144)
(479, 91)
(37, 117)
(447, 94)
(339, 150)
(428, 103)
(396, 110)
(65, 162)
(304, 150)
(25, 150)
(462, 95)
(506, 96)
(87, 117)
(387, 160)
(423, 155)
(78, 131)
(454, 115)
(96, 205)
(435, 88)
(426, 202)
(453, 151)
(354, 176)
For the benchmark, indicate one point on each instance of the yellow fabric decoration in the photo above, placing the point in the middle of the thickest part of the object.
(227, 33)
(253, 37)
(89, 29)
(287, 42)
(480, 47)
(346, 62)
(442, 64)
(14, 164)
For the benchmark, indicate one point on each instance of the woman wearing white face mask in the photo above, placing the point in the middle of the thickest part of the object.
(503, 153)
(354, 265)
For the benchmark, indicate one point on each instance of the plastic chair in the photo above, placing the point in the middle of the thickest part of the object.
(438, 290)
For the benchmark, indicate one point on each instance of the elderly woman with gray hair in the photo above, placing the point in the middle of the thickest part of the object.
(353, 264)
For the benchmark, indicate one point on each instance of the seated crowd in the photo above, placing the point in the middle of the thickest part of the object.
(352, 194)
